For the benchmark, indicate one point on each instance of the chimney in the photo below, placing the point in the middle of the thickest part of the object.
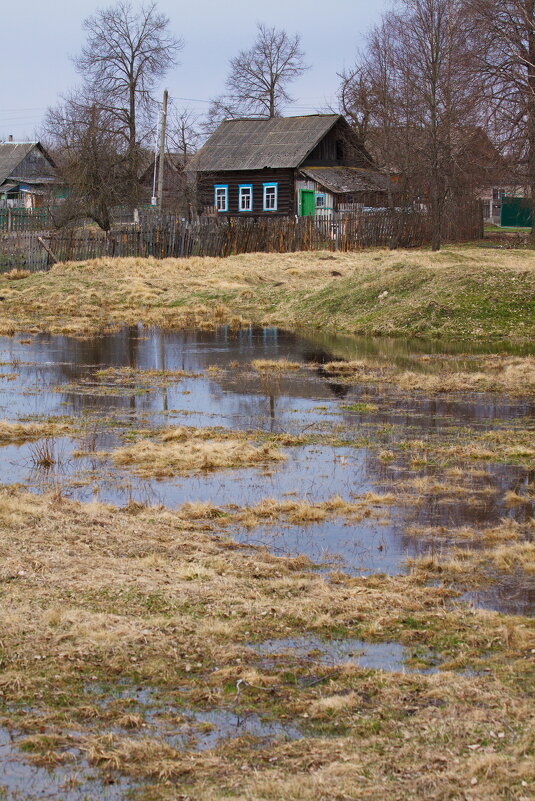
(10, 138)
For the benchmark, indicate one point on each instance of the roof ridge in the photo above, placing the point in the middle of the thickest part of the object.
(253, 143)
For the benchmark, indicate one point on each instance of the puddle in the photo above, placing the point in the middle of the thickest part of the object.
(22, 781)
(206, 730)
(388, 656)
(187, 729)
(178, 725)
(56, 376)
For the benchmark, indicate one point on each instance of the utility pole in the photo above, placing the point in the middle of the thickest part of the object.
(162, 149)
(154, 199)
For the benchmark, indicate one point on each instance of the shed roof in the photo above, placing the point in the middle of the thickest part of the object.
(253, 144)
(12, 153)
(342, 180)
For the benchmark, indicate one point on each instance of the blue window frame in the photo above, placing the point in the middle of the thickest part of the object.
(245, 197)
(320, 201)
(271, 197)
(221, 197)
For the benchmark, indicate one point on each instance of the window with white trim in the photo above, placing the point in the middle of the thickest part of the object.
(320, 201)
(271, 192)
(221, 197)
(245, 201)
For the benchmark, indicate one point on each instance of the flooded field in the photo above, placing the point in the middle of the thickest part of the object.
(119, 388)
(250, 444)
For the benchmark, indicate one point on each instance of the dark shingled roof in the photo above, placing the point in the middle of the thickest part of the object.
(342, 180)
(11, 155)
(253, 144)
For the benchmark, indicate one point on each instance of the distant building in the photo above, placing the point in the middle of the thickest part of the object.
(306, 166)
(27, 175)
(173, 179)
(494, 197)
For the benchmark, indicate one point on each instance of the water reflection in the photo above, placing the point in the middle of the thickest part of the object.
(55, 375)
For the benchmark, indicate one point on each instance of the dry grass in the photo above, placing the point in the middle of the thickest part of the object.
(43, 454)
(456, 452)
(452, 294)
(99, 597)
(506, 531)
(186, 450)
(17, 433)
(15, 275)
(132, 376)
(299, 512)
(275, 365)
(506, 551)
(507, 374)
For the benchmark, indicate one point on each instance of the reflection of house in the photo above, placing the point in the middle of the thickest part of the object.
(27, 175)
(286, 165)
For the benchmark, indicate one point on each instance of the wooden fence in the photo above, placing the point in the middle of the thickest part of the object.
(24, 219)
(164, 236)
(42, 219)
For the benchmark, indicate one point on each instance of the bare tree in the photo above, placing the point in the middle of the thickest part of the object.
(183, 137)
(88, 152)
(128, 50)
(355, 98)
(183, 131)
(507, 64)
(258, 78)
(415, 90)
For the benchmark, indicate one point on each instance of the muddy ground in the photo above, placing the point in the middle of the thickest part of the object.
(236, 564)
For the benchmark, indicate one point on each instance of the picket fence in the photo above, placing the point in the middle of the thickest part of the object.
(166, 236)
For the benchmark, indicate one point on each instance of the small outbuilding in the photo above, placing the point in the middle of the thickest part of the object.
(306, 166)
(27, 175)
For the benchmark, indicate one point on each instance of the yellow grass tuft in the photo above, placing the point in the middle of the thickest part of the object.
(184, 450)
(512, 375)
(274, 365)
(26, 432)
(16, 275)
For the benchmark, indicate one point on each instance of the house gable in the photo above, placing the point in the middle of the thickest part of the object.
(340, 147)
(25, 160)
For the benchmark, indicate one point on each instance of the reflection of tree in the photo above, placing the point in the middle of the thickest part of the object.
(78, 359)
(338, 390)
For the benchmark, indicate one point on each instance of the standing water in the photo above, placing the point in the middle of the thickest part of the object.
(352, 436)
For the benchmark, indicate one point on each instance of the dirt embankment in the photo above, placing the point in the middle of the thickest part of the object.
(459, 293)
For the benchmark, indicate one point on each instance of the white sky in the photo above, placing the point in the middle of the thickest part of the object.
(41, 37)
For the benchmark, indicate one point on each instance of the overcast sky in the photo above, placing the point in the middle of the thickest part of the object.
(44, 35)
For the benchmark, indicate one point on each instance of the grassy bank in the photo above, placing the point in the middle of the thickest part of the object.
(100, 604)
(463, 293)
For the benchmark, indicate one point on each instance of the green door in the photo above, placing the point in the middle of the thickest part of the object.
(307, 206)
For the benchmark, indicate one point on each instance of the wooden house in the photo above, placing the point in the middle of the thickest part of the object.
(310, 165)
(27, 175)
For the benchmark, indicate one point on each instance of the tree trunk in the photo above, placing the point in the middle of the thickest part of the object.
(531, 116)
(272, 102)
(132, 144)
